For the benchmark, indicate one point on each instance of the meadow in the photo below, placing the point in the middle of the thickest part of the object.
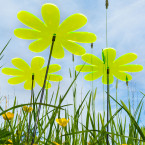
(40, 120)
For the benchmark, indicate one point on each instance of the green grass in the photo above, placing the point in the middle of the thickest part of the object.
(77, 132)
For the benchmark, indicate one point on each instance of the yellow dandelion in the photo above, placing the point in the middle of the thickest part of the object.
(62, 121)
(55, 143)
(27, 109)
(8, 116)
(9, 142)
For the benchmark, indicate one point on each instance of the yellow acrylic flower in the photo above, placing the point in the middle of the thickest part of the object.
(8, 116)
(43, 32)
(62, 121)
(24, 72)
(55, 143)
(117, 68)
(27, 109)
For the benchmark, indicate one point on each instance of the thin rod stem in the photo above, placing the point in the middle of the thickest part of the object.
(43, 88)
(108, 105)
(108, 101)
(31, 105)
(92, 68)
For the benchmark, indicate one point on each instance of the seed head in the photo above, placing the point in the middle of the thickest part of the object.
(107, 4)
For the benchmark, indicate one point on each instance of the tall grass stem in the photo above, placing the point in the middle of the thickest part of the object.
(31, 105)
(108, 100)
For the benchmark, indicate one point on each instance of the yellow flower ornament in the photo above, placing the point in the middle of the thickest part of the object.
(44, 31)
(24, 72)
(117, 68)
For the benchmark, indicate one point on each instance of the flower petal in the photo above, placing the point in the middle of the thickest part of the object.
(82, 37)
(92, 59)
(43, 71)
(122, 76)
(37, 63)
(58, 51)
(86, 68)
(74, 48)
(73, 23)
(93, 76)
(31, 21)
(125, 59)
(28, 85)
(39, 45)
(130, 68)
(52, 69)
(27, 33)
(109, 56)
(51, 16)
(54, 77)
(20, 64)
(59, 121)
(16, 80)
(12, 71)
(40, 81)
(104, 78)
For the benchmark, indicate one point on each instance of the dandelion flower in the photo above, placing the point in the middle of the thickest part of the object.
(9, 142)
(62, 121)
(8, 116)
(27, 109)
(55, 143)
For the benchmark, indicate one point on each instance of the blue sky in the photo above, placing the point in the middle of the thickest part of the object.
(126, 22)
